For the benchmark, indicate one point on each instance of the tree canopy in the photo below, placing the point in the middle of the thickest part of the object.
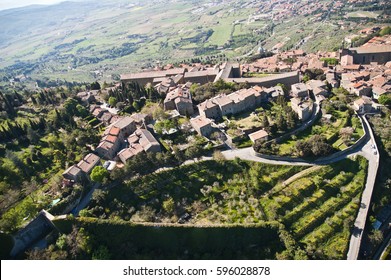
(99, 173)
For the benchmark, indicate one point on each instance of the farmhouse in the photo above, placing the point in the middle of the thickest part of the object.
(202, 125)
(88, 163)
(302, 108)
(140, 141)
(299, 90)
(363, 105)
(73, 174)
(260, 135)
(180, 100)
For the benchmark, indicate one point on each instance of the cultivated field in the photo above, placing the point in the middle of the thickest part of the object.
(317, 207)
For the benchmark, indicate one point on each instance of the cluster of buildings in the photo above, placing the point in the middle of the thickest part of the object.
(364, 72)
(291, 62)
(140, 141)
(231, 104)
(167, 80)
(179, 99)
(89, 96)
(372, 78)
(106, 115)
(121, 140)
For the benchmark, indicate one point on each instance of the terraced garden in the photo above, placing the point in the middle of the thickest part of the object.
(330, 130)
(315, 210)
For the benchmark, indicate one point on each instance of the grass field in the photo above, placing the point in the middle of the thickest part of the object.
(362, 14)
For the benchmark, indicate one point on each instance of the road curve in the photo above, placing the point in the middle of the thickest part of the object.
(371, 153)
(368, 149)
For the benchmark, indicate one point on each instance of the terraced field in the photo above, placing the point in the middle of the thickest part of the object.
(319, 208)
(90, 40)
(316, 209)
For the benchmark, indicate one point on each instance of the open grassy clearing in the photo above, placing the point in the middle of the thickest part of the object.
(362, 14)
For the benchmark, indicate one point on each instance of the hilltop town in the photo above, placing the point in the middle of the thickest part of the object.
(363, 72)
(288, 143)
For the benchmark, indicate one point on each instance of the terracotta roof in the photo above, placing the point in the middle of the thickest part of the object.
(183, 100)
(208, 104)
(105, 145)
(111, 138)
(260, 134)
(124, 122)
(378, 81)
(363, 100)
(126, 154)
(200, 122)
(73, 170)
(378, 90)
(360, 84)
(223, 100)
(113, 131)
(88, 163)
(146, 138)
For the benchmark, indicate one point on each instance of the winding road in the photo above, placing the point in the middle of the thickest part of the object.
(370, 152)
(367, 149)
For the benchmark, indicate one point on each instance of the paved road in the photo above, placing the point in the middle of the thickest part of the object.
(372, 155)
(368, 150)
(85, 201)
(249, 154)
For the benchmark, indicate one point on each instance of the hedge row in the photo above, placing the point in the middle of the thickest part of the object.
(167, 241)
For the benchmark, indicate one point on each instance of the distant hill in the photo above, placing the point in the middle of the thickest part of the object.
(97, 40)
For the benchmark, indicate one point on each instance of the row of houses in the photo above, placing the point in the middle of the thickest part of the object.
(121, 140)
(364, 83)
(180, 99)
(140, 141)
(236, 102)
(81, 172)
(365, 105)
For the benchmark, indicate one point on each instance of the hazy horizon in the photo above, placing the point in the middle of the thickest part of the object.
(10, 4)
